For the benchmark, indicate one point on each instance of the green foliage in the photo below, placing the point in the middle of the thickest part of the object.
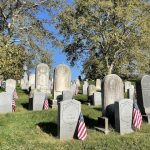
(22, 22)
(113, 35)
(12, 60)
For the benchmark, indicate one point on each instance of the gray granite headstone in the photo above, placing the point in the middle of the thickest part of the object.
(5, 102)
(38, 100)
(67, 95)
(123, 116)
(68, 115)
(97, 98)
(143, 96)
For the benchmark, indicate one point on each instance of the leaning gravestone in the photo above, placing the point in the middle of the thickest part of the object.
(143, 96)
(127, 85)
(5, 102)
(42, 78)
(68, 115)
(123, 116)
(98, 84)
(91, 89)
(38, 100)
(62, 81)
(97, 98)
(113, 91)
(10, 85)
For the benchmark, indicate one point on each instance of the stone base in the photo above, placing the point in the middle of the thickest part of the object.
(53, 104)
(102, 125)
(105, 131)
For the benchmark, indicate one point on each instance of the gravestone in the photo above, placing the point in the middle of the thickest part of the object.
(97, 98)
(131, 92)
(91, 89)
(38, 100)
(85, 87)
(42, 78)
(123, 116)
(112, 90)
(74, 89)
(5, 102)
(67, 95)
(32, 81)
(78, 82)
(62, 80)
(10, 85)
(68, 115)
(143, 96)
(98, 84)
(127, 85)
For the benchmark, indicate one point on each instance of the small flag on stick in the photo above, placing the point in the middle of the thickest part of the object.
(45, 105)
(82, 131)
(137, 117)
(15, 96)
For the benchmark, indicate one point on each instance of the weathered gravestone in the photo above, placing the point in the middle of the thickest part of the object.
(38, 100)
(131, 92)
(74, 88)
(32, 81)
(127, 85)
(97, 98)
(78, 82)
(62, 82)
(10, 85)
(85, 86)
(68, 115)
(91, 89)
(143, 96)
(67, 95)
(123, 116)
(112, 90)
(5, 102)
(42, 78)
(98, 84)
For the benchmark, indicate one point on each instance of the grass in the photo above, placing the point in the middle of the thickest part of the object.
(28, 130)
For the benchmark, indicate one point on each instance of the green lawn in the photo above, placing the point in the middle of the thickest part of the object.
(27, 130)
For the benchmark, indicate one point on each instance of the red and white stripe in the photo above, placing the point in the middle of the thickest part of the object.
(13, 105)
(82, 133)
(137, 118)
(45, 105)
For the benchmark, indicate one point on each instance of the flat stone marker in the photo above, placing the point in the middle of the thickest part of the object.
(97, 98)
(38, 100)
(68, 115)
(67, 95)
(5, 102)
(123, 116)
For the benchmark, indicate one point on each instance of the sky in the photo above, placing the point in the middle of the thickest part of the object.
(58, 56)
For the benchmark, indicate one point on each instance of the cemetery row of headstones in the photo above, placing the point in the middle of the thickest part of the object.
(116, 110)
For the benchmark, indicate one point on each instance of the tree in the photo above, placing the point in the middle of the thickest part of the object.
(114, 32)
(22, 22)
(12, 60)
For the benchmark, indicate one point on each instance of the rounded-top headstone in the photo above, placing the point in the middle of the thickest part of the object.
(42, 77)
(113, 90)
(62, 78)
(10, 85)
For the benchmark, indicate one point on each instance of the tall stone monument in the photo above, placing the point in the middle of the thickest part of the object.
(42, 78)
(62, 81)
(143, 96)
(112, 90)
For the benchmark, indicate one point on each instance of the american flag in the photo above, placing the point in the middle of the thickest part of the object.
(137, 117)
(82, 132)
(15, 96)
(45, 105)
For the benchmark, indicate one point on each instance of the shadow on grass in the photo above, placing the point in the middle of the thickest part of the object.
(98, 109)
(90, 122)
(48, 127)
(83, 101)
(25, 105)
